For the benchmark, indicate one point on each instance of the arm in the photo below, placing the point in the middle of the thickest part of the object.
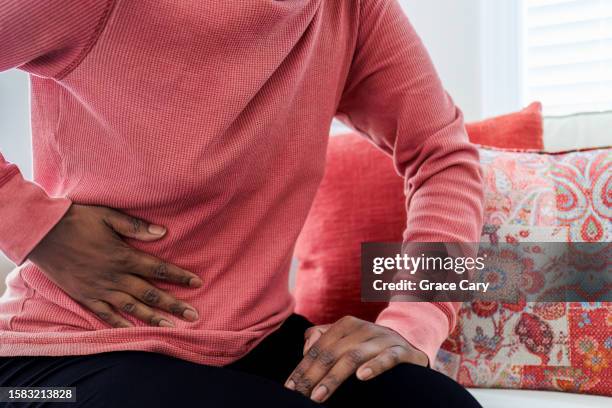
(394, 97)
(49, 38)
(45, 38)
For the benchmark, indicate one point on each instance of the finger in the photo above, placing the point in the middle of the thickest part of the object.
(325, 354)
(156, 298)
(343, 369)
(106, 313)
(326, 335)
(131, 306)
(150, 267)
(384, 361)
(133, 227)
(312, 335)
(330, 336)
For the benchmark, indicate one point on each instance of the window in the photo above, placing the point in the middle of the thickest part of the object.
(567, 55)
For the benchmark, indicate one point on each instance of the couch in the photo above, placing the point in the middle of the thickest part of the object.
(583, 131)
(497, 398)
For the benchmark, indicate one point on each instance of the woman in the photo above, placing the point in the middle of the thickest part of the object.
(177, 149)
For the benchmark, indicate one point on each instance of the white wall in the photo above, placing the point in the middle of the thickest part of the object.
(15, 120)
(14, 132)
(450, 30)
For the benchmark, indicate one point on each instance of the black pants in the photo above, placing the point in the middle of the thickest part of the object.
(141, 379)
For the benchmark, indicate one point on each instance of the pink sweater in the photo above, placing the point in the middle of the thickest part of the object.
(212, 118)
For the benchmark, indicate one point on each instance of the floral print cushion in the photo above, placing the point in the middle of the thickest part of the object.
(530, 198)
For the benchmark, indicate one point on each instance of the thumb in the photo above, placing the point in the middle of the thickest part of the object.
(312, 335)
(133, 227)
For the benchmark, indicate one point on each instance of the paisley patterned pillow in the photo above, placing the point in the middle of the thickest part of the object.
(532, 197)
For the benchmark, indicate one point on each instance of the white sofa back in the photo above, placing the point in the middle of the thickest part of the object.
(579, 131)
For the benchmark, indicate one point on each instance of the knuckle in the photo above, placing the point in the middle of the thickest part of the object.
(314, 352)
(104, 316)
(111, 276)
(331, 381)
(160, 271)
(309, 331)
(135, 224)
(117, 323)
(151, 296)
(354, 357)
(346, 320)
(394, 356)
(123, 258)
(297, 374)
(327, 358)
(154, 320)
(415, 356)
(350, 322)
(304, 384)
(128, 307)
(176, 309)
(184, 278)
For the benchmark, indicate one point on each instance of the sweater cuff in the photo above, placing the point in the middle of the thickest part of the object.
(27, 214)
(424, 325)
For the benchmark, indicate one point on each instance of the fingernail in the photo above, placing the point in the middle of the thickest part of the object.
(290, 384)
(195, 282)
(165, 323)
(365, 373)
(190, 315)
(156, 229)
(319, 394)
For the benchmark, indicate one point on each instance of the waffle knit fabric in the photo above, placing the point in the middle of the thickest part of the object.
(212, 118)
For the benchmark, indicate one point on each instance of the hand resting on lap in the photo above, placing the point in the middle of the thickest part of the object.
(334, 352)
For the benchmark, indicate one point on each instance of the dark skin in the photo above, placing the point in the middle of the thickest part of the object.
(334, 352)
(85, 255)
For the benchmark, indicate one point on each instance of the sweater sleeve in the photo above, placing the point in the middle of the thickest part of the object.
(47, 38)
(394, 97)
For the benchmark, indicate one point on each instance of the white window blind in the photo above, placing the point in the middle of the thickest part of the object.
(567, 55)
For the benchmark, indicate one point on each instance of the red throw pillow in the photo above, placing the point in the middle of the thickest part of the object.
(360, 199)
(518, 130)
